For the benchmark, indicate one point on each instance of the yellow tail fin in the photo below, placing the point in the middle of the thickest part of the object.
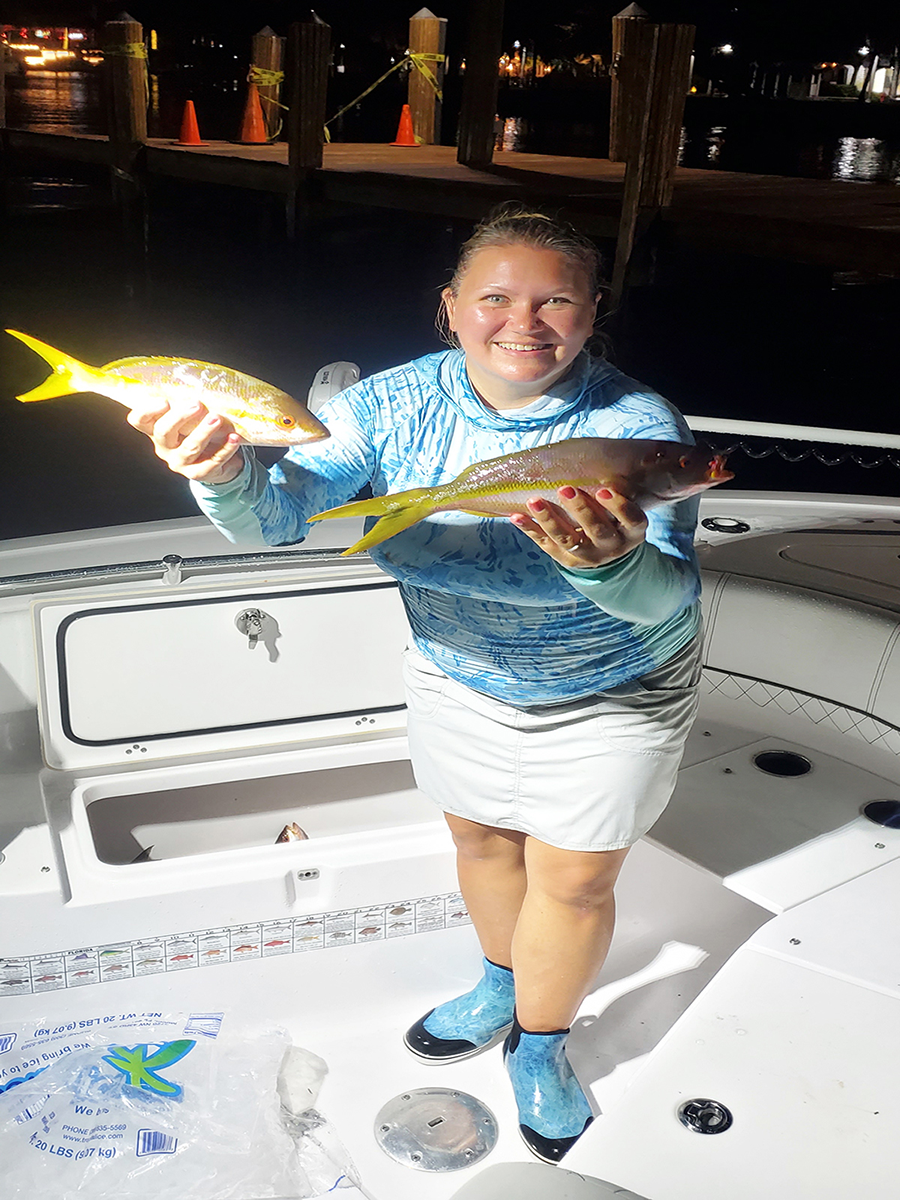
(397, 512)
(388, 526)
(69, 375)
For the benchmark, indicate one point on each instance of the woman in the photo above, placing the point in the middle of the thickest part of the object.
(552, 675)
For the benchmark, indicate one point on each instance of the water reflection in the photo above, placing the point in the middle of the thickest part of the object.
(69, 100)
(869, 159)
(715, 140)
(866, 160)
(514, 134)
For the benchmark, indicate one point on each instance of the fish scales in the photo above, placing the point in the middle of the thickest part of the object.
(648, 472)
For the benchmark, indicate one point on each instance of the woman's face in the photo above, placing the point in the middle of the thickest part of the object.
(522, 316)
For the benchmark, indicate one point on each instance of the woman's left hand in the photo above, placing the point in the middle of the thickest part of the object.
(583, 529)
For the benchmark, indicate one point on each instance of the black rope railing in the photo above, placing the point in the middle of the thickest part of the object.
(791, 455)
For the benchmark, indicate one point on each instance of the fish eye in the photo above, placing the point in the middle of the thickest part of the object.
(287, 422)
(684, 461)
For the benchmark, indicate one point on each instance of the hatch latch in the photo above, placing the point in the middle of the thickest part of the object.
(250, 623)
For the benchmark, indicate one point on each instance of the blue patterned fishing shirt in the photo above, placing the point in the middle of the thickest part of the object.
(484, 604)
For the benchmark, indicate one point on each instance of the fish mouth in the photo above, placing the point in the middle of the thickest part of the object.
(718, 472)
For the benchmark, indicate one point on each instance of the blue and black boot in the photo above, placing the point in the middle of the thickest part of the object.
(461, 1027)
(553, 1109)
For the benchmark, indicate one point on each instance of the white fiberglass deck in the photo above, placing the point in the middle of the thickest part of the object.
(350, 1005)
(755, 960)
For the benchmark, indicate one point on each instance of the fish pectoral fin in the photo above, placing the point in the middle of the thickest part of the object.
(69, 375)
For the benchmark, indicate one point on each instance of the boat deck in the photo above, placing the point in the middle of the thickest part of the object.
(755, 959)
(350, 1006)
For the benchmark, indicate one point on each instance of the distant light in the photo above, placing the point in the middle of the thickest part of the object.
(726, 49)
(75, 35)
(517, 45)
(693, 89)
(862, 49)
(42, 33)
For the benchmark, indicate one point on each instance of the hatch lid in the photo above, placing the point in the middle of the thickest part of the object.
(149, 677)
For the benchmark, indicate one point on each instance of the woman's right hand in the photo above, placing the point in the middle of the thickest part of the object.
(194, 442)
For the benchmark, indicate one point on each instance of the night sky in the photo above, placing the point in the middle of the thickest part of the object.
(763, 30)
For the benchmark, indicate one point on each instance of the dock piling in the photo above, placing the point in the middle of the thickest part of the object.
(428, 37)
(478, 109)
(127, 95)
(2, 85)
(4, 147)
(650, 83)
(308, 54)
(267, 72)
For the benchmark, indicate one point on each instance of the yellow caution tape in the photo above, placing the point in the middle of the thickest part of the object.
(263, 77)
(127, 50)
(419, 61)
(408, 60)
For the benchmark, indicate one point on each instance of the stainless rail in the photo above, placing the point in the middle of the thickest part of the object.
(165, 570)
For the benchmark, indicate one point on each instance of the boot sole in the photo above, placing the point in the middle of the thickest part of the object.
(436, 1060)
(554, 1161)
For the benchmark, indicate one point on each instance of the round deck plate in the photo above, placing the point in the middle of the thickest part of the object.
(436, 1129)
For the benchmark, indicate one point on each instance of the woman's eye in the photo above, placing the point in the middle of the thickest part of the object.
(557, 300)
(494, 299)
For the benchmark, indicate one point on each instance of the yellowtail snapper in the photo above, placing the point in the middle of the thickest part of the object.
(649, 473)
(261, 414)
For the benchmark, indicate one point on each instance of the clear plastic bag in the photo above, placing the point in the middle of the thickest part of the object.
(160, 1107)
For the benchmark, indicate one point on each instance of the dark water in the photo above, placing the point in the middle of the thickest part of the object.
(721, 336)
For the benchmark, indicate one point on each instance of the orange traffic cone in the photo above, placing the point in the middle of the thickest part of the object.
(190, 134)
(253, 126)
(405, 134)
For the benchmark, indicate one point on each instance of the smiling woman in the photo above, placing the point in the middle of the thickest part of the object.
(523, 314)
(522, 309)
(552, 677)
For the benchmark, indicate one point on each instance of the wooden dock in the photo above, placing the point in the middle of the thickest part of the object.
(830, 223)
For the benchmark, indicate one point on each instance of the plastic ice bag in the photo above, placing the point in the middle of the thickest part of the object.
(161, 1106)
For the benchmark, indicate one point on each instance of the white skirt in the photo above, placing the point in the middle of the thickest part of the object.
(593, 774)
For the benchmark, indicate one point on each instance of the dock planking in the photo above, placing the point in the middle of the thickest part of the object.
(831, 223)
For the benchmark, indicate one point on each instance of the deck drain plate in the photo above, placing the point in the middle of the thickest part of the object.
(436, 1129)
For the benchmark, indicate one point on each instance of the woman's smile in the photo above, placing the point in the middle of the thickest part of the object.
(522, 316)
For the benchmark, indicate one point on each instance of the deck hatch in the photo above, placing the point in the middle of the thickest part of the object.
(164, 676)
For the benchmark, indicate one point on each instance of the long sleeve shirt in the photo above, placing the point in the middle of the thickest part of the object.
(484, 603)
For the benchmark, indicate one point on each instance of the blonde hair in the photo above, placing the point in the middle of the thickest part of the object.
(514, 224)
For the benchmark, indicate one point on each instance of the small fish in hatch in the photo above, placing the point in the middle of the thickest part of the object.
(292, 833)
